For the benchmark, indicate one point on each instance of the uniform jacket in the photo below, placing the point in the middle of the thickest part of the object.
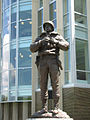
(49, 44)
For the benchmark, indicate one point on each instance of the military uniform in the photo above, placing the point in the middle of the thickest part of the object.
(48, 46)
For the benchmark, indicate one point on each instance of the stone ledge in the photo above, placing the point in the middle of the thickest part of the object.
(49, 119)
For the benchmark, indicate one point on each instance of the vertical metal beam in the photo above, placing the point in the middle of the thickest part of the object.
(17, 38)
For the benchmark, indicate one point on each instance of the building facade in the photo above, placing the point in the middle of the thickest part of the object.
(15, 59)
(21, 21)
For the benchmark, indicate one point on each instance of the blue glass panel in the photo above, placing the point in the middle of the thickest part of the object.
(5, 35)
(5, 3)
(13, 1)
(12, 77)
(5, 57)
(6, 17)
(52, 10)
(12, 55)
(13, 14)
(13, 31)
(24, 56)
(25, 29)
(5, 78)
(65, 6)
(24, 76)
(25, 12)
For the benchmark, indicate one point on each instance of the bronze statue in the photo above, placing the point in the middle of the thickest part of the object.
(48, 45)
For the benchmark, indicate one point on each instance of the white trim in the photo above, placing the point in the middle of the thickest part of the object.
(72, 44)
(77, 85)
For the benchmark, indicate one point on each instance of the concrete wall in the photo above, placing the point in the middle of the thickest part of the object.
(77, 102)
(15, 111)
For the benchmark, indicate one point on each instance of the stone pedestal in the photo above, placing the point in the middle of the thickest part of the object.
(49, 119)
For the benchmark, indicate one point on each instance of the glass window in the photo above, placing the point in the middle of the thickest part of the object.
(82, 62)
(65, 6)
(40, 21)
(66, 19)
(81, 32)
(80, 6)
(12, 55)
(82, 54)
(24, 76)
(25, 28)
(5, 57)
(13, 31)
(66, 32)
(6, 17)
(6, 35)
(41, 3)
(13, 1)
(25, 11)
(52, 12)
(6, 3)
(12, 95)
(5, 78)
(24, 55)
(13, 13)
(4, 96)
(12, 77)
(80, 19)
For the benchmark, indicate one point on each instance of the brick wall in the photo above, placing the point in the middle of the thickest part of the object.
(76, 102)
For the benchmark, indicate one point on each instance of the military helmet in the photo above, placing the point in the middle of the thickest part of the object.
(49, 22)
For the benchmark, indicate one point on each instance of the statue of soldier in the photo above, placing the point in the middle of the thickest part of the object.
(48, 45)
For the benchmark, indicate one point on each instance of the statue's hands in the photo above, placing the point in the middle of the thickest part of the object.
(44, 40)
(54, 41)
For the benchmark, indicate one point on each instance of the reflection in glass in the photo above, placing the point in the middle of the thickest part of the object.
(12, 76)
(66, 19)
(40, 21)
(6, 3)
(13, 1)
(65, 6)
(24, 56)
(41, 3)
(12, 95)
(81, 55)
(13, 14)
(5, 34)
(67, 60)
(80, 6)
(81, 20)
(5, 78)
(81, 32)
(25, 28)
(40, 30)
(5, 57)
(25, 11)
(12, 55)
(6, 17)
(52, 12)
(66, 32)
(40, 17)
(13, 31)
(4, 96)
(24, 76)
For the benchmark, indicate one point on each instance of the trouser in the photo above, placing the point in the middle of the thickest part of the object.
(48, 65)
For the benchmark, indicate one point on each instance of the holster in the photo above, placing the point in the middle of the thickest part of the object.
(37, 60)
(59, 64)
